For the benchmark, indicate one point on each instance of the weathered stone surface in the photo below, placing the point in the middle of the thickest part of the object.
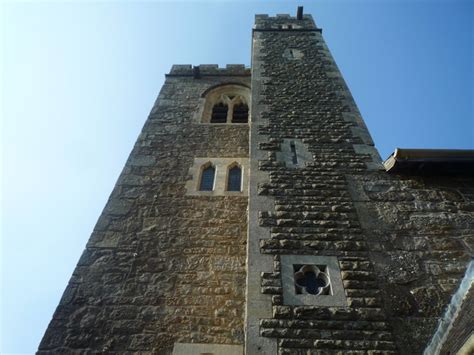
(401, 241)
(420, 254)
(160, 266)
(163, 267)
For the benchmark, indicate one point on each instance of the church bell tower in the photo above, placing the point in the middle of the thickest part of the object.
(255, 216)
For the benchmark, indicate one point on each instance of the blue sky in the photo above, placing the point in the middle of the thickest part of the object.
(78, 80)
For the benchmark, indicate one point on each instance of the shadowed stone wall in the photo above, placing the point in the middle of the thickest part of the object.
(420, 231)
(162, 267)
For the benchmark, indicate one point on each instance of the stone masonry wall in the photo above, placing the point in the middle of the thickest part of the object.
(162, 267)
(420, 230)
(402, 243)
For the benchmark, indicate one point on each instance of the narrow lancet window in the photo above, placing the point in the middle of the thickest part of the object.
(240, 114)
(207, 179)
(294, 157)
(219, 113)
(234, 182)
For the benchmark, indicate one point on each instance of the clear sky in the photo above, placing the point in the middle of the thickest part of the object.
(78, 80)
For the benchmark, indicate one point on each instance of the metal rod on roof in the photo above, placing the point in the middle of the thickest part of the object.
(299, 14)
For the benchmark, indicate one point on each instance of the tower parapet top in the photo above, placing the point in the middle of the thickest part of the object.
(209, 70)
(285, 22)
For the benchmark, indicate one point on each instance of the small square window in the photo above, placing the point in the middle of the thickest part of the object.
(312, 280)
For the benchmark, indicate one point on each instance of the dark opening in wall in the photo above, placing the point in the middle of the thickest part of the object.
(294, 157)
(219, 113)
(207, 179)
(234, 181)
(240, 114)
(311, 279)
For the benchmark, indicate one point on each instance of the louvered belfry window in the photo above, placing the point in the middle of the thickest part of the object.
(234, 179)
(240, 114)
(207, 179)
(219, 113)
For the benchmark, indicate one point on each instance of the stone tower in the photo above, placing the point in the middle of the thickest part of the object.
(254, 215)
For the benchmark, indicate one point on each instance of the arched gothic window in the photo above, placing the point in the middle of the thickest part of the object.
(226, 104)
(207, 178)
(241, 113)
(234, 178)
(219, 113)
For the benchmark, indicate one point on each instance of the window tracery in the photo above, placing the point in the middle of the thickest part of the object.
(311, 279)
(227, 104)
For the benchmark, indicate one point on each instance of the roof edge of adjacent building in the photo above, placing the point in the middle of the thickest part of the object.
(407, 161)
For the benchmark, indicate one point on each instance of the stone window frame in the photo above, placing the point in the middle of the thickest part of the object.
(221, 93)
(319, 272)
(222, 166)
(286, 154)
(337, 298)
(201, 171)
(229, 167)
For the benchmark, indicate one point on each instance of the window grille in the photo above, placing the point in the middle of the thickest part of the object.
(219, 113)
(240, 114)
